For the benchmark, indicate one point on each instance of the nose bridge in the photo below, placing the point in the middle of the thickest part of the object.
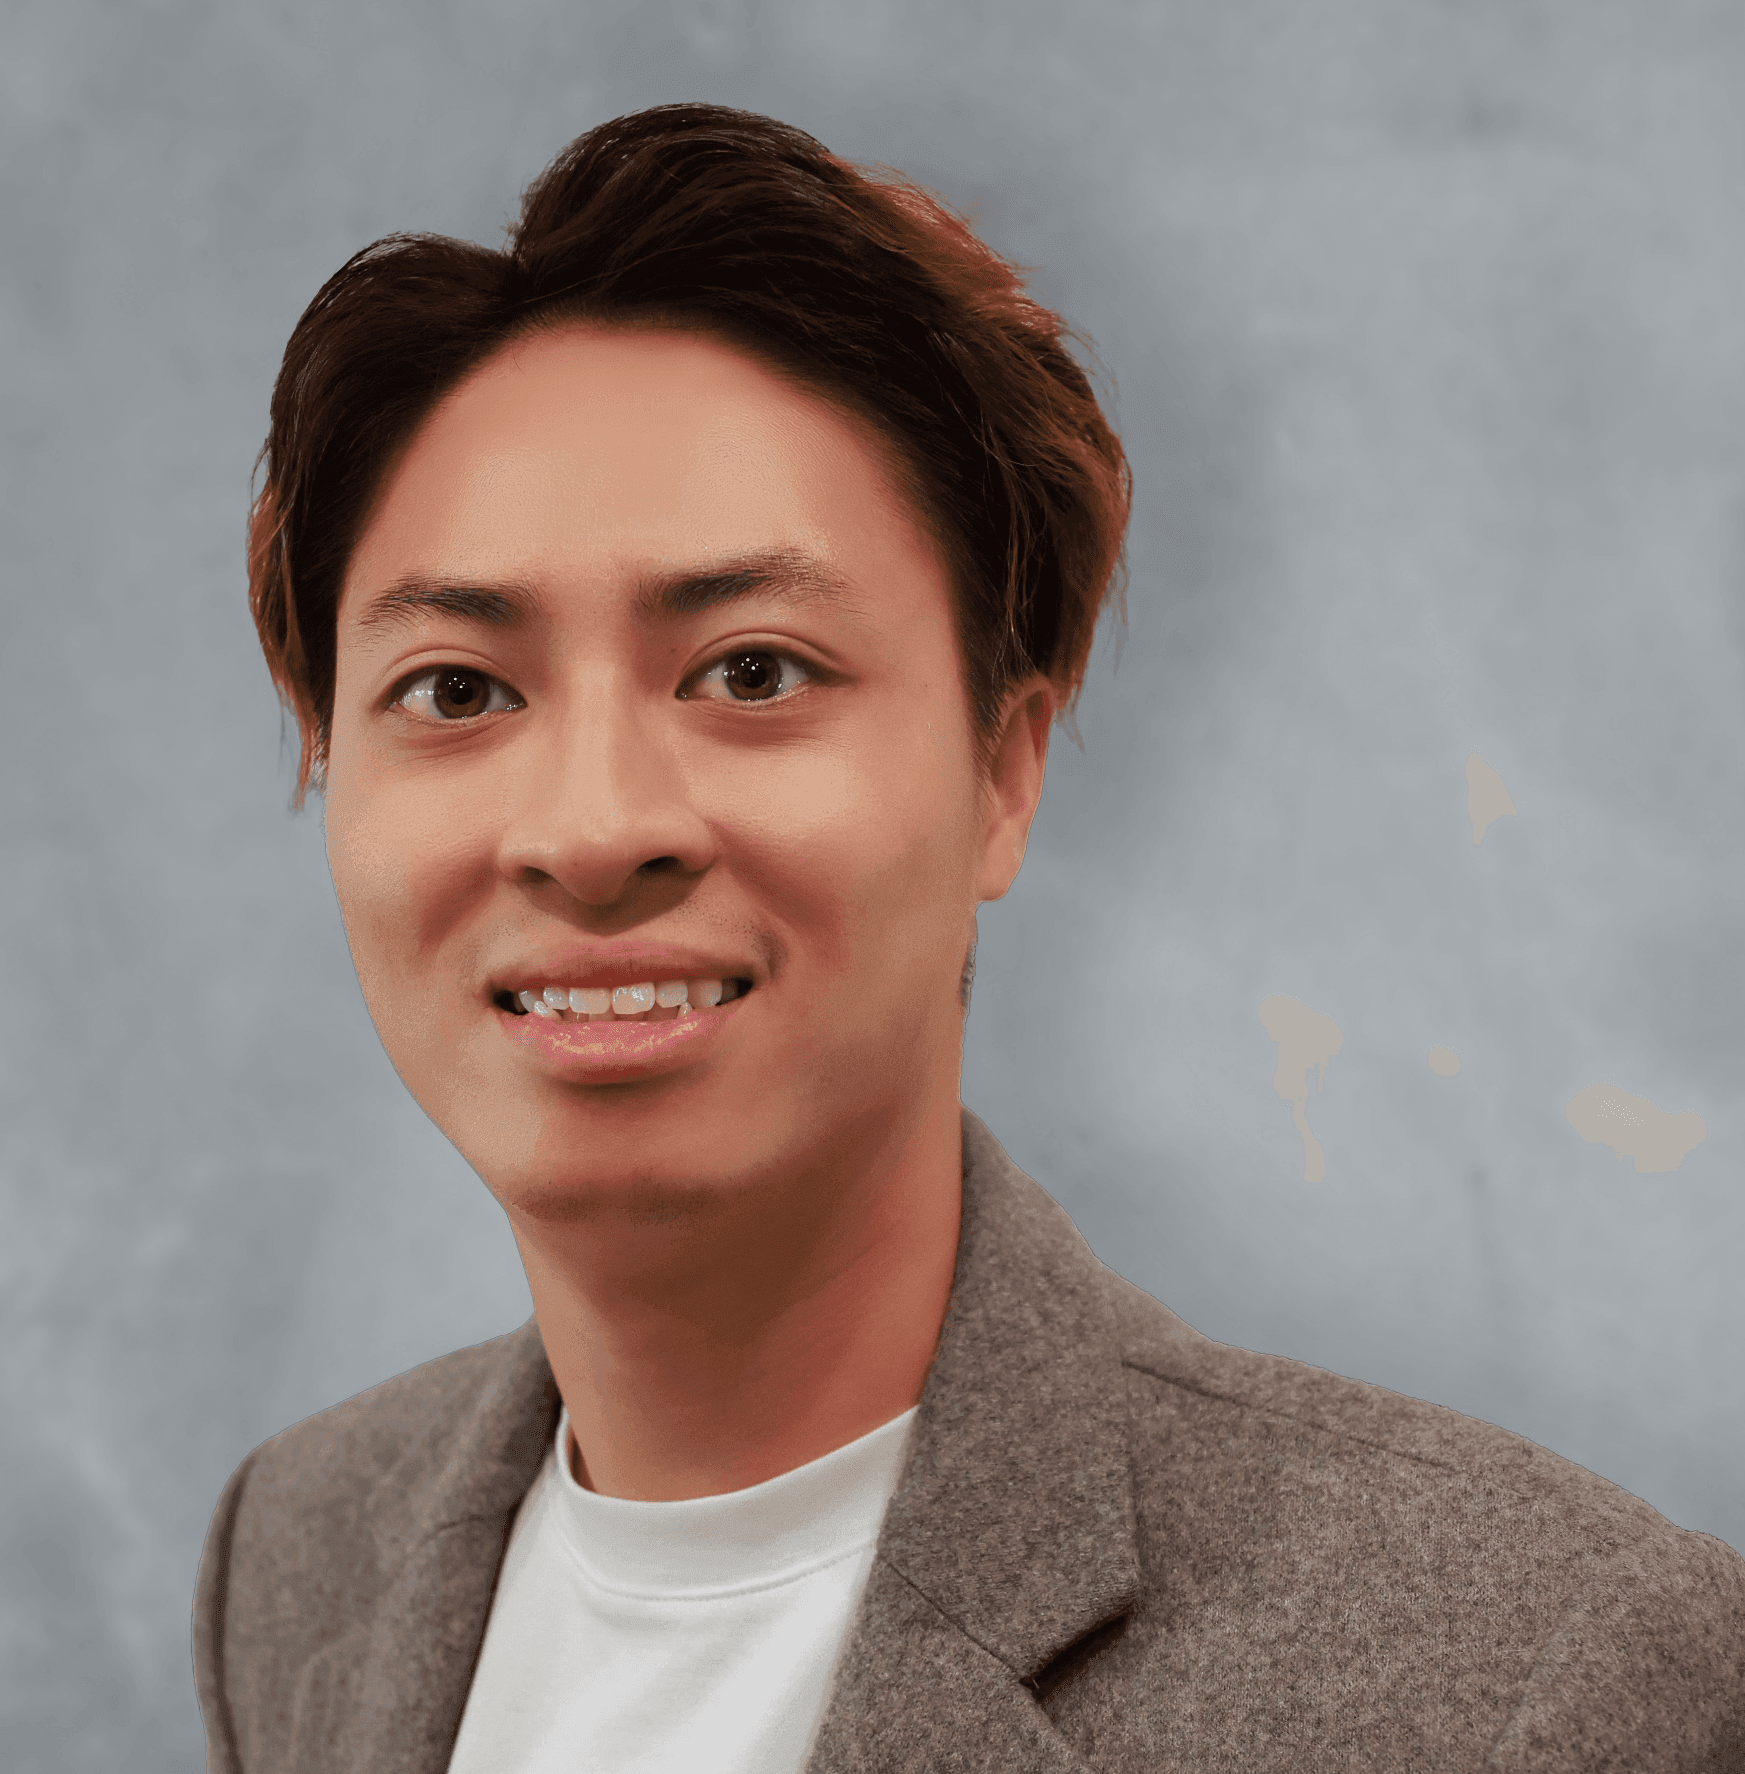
(603, 795)
(608, 760)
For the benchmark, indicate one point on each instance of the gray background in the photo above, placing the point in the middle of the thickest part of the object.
(1428, 324)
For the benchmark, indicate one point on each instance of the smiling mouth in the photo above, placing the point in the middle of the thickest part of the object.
(651, 1001)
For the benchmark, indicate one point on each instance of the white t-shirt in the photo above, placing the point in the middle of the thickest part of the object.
(696, 1637)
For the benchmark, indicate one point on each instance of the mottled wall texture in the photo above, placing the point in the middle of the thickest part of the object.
(1374, 992)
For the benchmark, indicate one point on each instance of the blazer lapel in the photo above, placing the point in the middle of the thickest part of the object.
(1011, 1535)
(387, 1697)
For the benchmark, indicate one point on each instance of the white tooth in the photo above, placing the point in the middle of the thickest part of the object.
(541, 1008)
(590, 1000)
(684, 1010)
(557, 997)
(632, 1000)
(706, 992)
(527, 1000)
(669, 992)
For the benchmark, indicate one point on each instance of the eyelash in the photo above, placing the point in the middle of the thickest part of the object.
(408, 686)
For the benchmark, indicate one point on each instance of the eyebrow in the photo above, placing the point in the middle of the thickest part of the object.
(484, 606)
(789, 574)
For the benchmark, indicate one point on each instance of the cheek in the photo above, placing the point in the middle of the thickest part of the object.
(863, 843)
(405, 866)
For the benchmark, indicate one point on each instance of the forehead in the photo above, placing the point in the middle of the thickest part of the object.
(593, 452)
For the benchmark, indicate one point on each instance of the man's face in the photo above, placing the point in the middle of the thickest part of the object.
(715, 730)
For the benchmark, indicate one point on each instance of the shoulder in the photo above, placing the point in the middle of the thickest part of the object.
(404, 1423)
(1380, 1534)
(1229, 1407)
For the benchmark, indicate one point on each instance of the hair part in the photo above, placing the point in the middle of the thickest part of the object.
(862, 288)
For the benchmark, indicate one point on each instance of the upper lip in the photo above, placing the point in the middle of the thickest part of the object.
(593, 964)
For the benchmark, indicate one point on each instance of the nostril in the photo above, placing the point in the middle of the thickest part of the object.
(660, 865)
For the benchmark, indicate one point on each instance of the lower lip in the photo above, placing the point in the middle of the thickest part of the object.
(616, 1052)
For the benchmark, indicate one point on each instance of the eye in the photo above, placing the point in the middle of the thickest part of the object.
(451, 693)
(750, 674)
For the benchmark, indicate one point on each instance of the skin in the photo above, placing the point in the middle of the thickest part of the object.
(742, 1261)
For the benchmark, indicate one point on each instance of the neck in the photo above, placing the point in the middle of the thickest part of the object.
(746, 1331)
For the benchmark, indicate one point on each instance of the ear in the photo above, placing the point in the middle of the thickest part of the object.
(1014, 784)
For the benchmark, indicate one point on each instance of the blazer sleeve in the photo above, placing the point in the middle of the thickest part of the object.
(211, 1595)
(1645, 1670)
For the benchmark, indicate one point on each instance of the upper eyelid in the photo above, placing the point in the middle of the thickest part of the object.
(407, 679)
(792, 650)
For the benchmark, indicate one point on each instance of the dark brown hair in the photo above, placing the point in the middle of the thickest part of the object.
(864, 289)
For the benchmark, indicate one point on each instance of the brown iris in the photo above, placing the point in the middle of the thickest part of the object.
(752, 677)
(457, 693)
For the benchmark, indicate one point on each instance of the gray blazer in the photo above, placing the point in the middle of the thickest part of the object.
(1115, 1545)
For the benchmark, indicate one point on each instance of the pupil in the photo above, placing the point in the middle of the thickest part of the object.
(753, 675)
(458, 692)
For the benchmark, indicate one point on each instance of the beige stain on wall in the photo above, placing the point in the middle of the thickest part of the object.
(1602, 1114)
(1486, 798)
(1634, 1127)
(1305, 1038)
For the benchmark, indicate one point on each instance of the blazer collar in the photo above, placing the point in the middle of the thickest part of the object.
(1011, 1536)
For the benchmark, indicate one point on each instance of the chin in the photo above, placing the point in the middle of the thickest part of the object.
(603, 1167)
(636, 1197)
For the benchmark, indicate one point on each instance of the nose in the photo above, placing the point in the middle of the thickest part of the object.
(602, 804)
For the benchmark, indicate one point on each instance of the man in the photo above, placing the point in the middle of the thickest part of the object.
(675, 607)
